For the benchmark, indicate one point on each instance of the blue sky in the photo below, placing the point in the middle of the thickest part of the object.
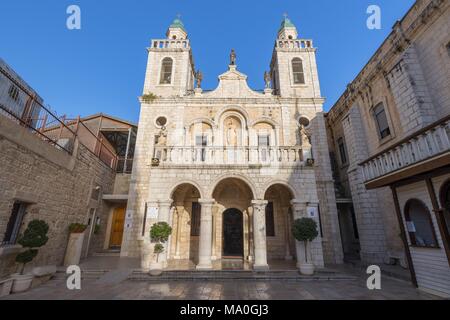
(100, 68)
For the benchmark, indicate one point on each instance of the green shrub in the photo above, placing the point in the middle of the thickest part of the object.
(35, 236)
(159, 234)
(305, 229)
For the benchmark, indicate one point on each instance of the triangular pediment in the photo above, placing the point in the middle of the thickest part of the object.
(232, 84)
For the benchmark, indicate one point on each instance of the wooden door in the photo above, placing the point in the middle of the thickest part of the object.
(117, 227)
(233, 233)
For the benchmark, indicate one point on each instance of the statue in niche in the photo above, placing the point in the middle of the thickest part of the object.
(267, 79)
(232, 135)
(233, 57)
(304, 137)
(199, 78)
(162, 137)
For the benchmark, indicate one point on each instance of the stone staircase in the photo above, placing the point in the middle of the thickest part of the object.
(241, 275)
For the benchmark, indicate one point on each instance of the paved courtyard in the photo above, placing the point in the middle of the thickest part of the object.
(392, 289)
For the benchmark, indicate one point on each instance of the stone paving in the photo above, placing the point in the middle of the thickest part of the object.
(392, 289)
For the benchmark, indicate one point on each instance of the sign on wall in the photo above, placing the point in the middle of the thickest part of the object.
(312, 212)
(153, 213)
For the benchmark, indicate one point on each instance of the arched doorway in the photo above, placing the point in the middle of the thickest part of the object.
(279, 219)
(232, 214)
(186, 211)
(233, 234)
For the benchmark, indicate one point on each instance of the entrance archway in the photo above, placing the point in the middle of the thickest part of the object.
(186, 211)
(233, 214)
(279, 220)
(233, 234)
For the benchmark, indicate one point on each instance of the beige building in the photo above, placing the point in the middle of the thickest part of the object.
(230, 169)
(389, 137)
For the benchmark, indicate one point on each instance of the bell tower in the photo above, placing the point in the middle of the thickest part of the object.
(170, 66)
(293, 67)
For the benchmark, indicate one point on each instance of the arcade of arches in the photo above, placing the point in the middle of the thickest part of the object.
(209, 233)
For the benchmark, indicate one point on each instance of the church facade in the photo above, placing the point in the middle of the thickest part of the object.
(231, 169)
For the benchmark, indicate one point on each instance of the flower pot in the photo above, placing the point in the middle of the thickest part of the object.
(306, 269)
(22, 282)
(156, 269)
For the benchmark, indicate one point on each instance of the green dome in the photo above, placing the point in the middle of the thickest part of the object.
(286, 23)
(177, 23)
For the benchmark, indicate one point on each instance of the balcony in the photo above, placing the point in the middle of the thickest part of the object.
(167, 155)
(294, 44)
(423, 151)
(170, 44)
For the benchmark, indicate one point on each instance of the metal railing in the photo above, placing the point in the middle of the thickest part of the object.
(57, 131)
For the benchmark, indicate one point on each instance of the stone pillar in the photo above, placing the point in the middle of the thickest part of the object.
(164, 216)
(299, 211)
(205, 245)
(285, 212)
(259, 234)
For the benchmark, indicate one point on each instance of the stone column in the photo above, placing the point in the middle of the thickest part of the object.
(299, 211)
(259, 234)
(205, 245)
(285, 212)
(164, 216)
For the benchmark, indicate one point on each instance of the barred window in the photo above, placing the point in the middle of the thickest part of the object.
(195, 219)
(342, 150)
(166, 71)
(14, 223)
(381, 119)
(13, 92)
(270, 220)
(297, 71)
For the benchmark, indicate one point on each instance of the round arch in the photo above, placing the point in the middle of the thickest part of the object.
(201, 120)
(267, 120)
(175, 186)
(229, 109)
(236, 176)
(286, 184)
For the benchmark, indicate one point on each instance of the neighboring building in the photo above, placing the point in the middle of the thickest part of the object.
(230, 169)
(389, 134)
(62, 171)
(17, 98)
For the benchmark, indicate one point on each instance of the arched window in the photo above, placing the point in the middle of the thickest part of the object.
(419, 224)
(297, 71)
(166, 71)
(445, 203)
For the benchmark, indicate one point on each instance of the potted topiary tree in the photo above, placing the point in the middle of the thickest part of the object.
(75, 244)
(305, 230)
(159, 234)
(34, 237)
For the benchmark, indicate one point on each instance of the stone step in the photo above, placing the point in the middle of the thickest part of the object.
(85, 274)
(107, 253)
(238, 275)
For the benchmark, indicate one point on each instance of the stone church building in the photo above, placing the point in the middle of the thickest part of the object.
(232, 168)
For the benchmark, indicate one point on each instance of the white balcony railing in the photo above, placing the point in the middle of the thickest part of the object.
(294, 44)
(429, 142)
(170, 44)
(230, 155)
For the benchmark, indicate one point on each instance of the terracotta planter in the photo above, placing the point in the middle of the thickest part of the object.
(22, 282)
(306, 269)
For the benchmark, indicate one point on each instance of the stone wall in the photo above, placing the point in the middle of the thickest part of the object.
(56, 186)
(409, 75)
